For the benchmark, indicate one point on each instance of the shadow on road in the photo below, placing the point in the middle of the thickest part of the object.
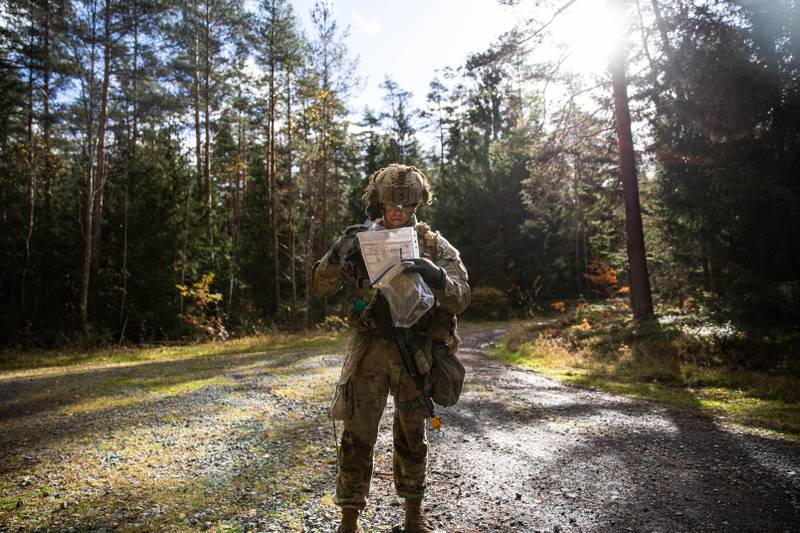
(37, 412)
(587, 460)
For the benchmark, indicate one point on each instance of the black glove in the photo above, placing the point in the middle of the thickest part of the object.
(345, 244)
(432, 274)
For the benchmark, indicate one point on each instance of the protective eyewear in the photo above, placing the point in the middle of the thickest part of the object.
(408, 208)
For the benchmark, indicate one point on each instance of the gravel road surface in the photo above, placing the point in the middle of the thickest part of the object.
(522, 452)
(248, 447)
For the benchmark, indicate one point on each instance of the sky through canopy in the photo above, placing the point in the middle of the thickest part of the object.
(412, 40)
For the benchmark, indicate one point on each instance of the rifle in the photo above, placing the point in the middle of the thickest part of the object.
(421, 380)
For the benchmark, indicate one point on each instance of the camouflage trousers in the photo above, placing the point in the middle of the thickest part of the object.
(380, 372)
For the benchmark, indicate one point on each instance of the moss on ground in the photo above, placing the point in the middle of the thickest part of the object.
(598, 346)
(148, 439)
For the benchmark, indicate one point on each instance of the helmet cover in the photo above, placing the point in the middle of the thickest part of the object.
(397, 185)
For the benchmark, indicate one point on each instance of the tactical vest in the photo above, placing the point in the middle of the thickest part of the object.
(369, 311)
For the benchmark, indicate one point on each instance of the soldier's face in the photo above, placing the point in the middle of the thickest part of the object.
(396, 216)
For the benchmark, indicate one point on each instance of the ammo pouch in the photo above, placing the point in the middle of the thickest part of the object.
(447, 374)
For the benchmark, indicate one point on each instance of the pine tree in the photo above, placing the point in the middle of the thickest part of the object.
(641, 299)
(330, 80)
(402, 146)
(277, 45)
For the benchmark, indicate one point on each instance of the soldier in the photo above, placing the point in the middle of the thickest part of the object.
(373, 367)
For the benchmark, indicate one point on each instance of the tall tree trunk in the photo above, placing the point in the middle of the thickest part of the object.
(272, 169)
(101, 136)
(29, 163)
(135, 118)
(273, 185)
(290, 188)
(641, 299)
(187, 212)
(310, 202)
(324, 152)
(87, 246)
(198, 150)
(705, 264)
(124, 263)
(31, 52)
(662, 27)
(324, 161)
(323, 201)
(794, 35)
(47, 173)
(578, 228)
(207, 148)
(270, 209)
(46, 118)
(311, 251)
(238, 184)
(89, 180)
(441, 144)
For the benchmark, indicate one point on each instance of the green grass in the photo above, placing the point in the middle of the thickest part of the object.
(104, 395)
(666, 365)
(26, 360)
(7, 504)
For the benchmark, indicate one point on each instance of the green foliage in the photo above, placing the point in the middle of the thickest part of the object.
(401, 143)
(726, 191)
(689, 361)
(752, 299)
(488, 303)
(528, 192)
(477, 183)
(200, 292)
(202, 316)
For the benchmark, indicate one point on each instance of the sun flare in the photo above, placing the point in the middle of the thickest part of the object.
(588, 31)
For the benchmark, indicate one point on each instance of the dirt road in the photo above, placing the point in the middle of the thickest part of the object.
(241, 443)
(522, 452)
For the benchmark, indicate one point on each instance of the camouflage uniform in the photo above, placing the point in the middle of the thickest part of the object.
(373, 369)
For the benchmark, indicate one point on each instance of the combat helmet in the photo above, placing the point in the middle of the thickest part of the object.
(398, 185)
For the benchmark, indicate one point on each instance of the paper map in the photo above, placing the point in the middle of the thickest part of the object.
(383, 249)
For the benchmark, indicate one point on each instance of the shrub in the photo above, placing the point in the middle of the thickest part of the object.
(602, 278)
(202, 316)
(488, 303)
(757, 301)
(333, 323)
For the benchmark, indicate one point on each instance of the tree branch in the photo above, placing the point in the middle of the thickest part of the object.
(548, 23)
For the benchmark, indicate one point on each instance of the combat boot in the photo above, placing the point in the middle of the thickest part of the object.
(415, 521)
(349, 521)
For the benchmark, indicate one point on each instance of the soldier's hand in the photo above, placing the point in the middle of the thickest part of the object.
(432, 274)
(345, 244)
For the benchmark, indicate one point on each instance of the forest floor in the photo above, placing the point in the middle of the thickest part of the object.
(241, 441)
(689, 360)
